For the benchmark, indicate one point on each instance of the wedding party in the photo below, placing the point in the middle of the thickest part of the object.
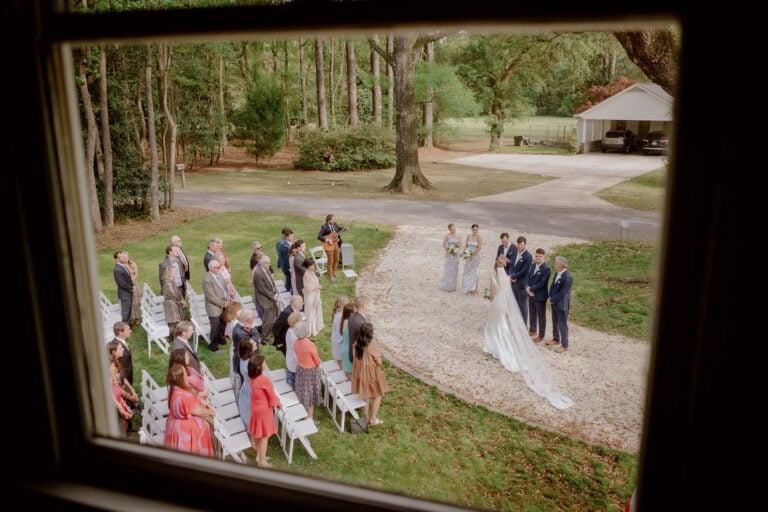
(594, 391)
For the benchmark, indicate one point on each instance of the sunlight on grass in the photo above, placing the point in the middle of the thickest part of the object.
(644, 193)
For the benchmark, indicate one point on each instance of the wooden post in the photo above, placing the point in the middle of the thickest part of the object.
(180, 168)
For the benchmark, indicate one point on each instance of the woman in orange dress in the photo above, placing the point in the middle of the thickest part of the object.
(263, 398)
(188, 426)
(368, 379)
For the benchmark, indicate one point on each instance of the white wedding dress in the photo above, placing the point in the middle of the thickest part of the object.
(507, 339)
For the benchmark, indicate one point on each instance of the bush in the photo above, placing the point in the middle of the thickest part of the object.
(346, 149)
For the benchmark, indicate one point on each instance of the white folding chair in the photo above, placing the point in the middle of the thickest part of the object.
(232, 445)
(342, 404)
(293, 430)
(156, 333)
(321, 259)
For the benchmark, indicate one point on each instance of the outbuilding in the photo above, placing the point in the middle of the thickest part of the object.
(642, 108)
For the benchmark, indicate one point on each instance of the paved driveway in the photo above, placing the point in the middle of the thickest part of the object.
(579, 176)
(563, 207)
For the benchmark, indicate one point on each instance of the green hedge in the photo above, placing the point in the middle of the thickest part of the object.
(346, 149)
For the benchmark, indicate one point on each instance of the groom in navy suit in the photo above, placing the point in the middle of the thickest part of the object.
(538, 279)
(504, 251)
(560, 298)
(520, 262)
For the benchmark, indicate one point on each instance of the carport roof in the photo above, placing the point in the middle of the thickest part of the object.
(641, 101)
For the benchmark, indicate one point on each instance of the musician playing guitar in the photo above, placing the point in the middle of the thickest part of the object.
(329, 235)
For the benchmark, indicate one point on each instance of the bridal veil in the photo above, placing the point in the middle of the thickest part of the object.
(507, 339)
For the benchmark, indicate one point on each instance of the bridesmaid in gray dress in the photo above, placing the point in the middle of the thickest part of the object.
(452, 245)
(471, 264)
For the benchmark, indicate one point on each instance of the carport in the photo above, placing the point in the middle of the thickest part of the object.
(642, 107)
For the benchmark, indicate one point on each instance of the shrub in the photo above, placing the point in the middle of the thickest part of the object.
(346, 149)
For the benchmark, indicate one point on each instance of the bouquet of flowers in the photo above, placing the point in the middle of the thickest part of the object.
(487, 294)
(466, 253)
(453, 249)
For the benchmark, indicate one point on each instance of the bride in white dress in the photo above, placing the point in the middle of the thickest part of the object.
(507, 339)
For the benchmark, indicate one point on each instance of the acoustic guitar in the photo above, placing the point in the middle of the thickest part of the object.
(334, 237)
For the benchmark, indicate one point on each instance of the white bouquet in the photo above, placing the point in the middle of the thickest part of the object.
(453, 249)
(466, 253)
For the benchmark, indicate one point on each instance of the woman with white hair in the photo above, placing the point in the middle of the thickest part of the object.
(307, 370)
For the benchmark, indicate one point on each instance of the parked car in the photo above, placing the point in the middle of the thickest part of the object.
(656, 143)
(619, 140)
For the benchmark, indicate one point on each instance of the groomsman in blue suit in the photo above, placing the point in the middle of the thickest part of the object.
(519, 267)
(560, 298)
(538, 279)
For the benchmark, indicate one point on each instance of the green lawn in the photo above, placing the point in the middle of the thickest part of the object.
(434, 445)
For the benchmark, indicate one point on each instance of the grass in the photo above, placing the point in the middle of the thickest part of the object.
(644, 192)
(453, 182)
(434, 445)
(473, 456)
(613, 286)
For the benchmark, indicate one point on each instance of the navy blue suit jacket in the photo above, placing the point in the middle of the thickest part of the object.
(500, 251)
(560, 292)
(538, 281)
(520, 271)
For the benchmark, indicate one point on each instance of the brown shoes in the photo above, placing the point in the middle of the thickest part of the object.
(551, 343)
(538, 339)
(532, 333)
(561, 350)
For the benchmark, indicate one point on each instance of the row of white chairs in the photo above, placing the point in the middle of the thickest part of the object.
(337, 394)
(293, 421)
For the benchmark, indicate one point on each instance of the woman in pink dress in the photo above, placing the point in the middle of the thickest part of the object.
(188, 426)
(313, 305)
(194, 378)
(263, 399)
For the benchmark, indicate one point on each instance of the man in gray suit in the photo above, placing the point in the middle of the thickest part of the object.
(216, 298)
(356, 319)
(298, 267)
(265, 297)
(125, 286)
(182, 333)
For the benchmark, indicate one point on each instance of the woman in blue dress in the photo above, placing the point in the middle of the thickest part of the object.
(452, 246)
(245, 349)
(471, 263)
(346, 362)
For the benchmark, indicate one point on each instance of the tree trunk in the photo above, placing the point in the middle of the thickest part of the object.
(106, 141)
(331, 83)
(286, 93)
(391, 89)
(376, 72)
(655, 52)
(164, 61)
(352, 118)
(303, 82)
(429, 106)
(154, 179)
(222, 112)
(92, 133)
(322, 109)
(407, 173)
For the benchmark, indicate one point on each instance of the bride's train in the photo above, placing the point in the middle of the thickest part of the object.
(507, 339)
